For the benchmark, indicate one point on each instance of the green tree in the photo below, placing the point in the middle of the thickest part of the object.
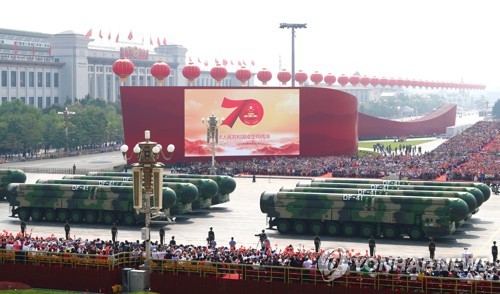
(54, 135)
(23, 128)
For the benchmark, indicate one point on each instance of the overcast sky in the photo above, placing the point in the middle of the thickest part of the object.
(440, 40)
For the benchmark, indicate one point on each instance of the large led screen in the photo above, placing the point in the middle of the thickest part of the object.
(256, 121)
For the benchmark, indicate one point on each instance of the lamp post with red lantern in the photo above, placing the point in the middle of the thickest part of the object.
(123, 68)
(243, 75)
(191, 72)
(316, 78)
(160, 70)
(264, 76)
(218, 73)
(301, 77)
(284, 76)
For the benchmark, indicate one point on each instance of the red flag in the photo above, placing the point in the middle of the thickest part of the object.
(142, 39)
(224, 62)
(206, 62)
(117, 38)
(100, 34)
(253, 63)
(239, 63)
(232, 62)
(89, 34)
(150, 41)
(244, 63)
(158, 41)
(130, 36)
(199, 61)
(164, 41)
(33, 50)
(15, 48)
(216, 61)
(109, 36)
(190, 60)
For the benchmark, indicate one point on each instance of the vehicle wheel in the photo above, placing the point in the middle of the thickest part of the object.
(90, 217)
(349, 229)
(76, 216)
(390, 231)
(283, 226)
(63, 215)
(317, 227)
(129, 219)
(108, 218)
(299, 227)
(50, 215)
(415, 233)
(36, 214)
(24, 214)
(366, 230)
(333, 229)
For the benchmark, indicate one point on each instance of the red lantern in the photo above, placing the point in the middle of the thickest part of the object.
(407, 83)
(316, 78)
(264, 76)
(284, 76)
(400, 82)
(365, 81)
(383, 82)
(218, 73)
(354, 80)
(392, 82)
(343, 80)
(243, 75)
(374, 81)
(123, 68)
(160, 70)
(191, 72)
(301, 77)
(330, 79)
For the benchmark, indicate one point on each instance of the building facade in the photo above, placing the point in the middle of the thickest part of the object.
(43, 69)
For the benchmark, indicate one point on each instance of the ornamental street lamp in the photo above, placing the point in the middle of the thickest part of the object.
(66, 115)
(212, 124)
(293, 26)
(148, 182)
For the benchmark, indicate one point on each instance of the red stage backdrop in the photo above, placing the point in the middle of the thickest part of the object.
(259, 121)
(431, 124)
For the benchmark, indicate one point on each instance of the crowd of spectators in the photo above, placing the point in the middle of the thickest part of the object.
(470, 155)
(349, 260)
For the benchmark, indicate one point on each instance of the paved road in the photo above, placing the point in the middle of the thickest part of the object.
(241, 218)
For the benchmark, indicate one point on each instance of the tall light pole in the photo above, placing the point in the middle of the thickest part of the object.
(66, 115)
(148, 182)
(212, 124)
(293, 26)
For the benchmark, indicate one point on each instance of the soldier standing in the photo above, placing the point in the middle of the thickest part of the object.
(232, 244)
(172, 242)
(317, 243)
(23, 228)
(211, 236)
(114, 232)
(494, 251)
(371, 245)
(262, 237)
(432, 248)
(162, 235)
(67, 229)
